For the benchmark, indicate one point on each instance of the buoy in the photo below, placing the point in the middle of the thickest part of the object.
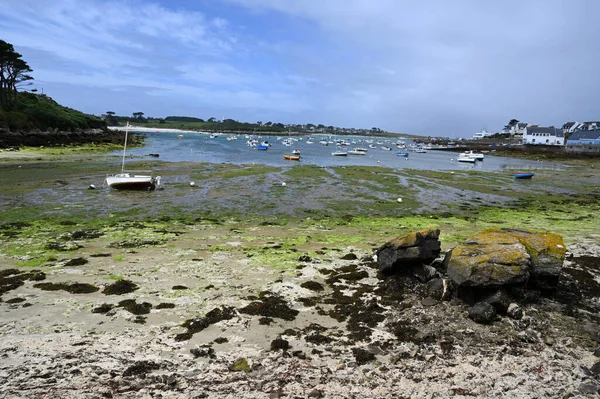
(378, 161)
(399, 199)
(192, 184)
(92, 187)
(283, 184)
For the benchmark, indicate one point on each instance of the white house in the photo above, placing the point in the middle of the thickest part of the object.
(479, 135)
(543, 136)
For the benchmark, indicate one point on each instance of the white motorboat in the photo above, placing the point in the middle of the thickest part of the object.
(357, 152)
(474, 155)
(126, 180)
(339, 154)
(465, 158)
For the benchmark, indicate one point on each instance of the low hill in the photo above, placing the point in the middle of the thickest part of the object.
(40, 112)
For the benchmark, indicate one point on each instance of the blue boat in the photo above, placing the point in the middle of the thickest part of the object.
(262, 147)
(523, 175)
(402, 154)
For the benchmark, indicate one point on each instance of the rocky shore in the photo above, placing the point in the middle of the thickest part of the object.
(192, 323)
(238, 287)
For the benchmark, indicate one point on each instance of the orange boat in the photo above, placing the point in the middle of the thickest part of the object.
(292, 157)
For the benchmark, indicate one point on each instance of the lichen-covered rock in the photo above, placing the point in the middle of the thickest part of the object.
(547, 252)
(421, 247)
(497, 257)
(478, 264)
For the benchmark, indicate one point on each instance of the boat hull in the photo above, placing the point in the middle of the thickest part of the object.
(523, 175)
(292, 157)
(128, 182)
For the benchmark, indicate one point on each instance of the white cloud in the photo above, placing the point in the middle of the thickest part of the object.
(424, 67)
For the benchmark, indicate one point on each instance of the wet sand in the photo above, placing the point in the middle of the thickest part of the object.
(279, 283)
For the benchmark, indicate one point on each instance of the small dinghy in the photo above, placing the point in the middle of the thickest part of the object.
(523, 175)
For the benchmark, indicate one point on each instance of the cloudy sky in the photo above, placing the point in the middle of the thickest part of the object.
(428, 67)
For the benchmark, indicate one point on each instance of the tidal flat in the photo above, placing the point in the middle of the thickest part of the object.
(135, 294)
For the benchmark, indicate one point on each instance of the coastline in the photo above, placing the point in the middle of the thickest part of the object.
(191, 250)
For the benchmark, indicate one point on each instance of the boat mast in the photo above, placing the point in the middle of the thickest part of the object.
(124, 148)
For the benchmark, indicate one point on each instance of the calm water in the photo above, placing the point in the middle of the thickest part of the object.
(199, 147)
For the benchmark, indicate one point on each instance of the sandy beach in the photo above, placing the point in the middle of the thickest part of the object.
(189, 292)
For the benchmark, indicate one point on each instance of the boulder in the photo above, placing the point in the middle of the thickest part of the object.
(547, 253)
(498, 257)
(416, 248)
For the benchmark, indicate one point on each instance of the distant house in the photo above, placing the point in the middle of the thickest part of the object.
(591, 137)
(479, 135)
(543, 136)
(581, 126)
(584, 141)
(568, 126)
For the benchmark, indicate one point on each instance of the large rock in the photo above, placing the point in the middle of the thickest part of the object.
(417, 248)
(547, 252)
(498, 257)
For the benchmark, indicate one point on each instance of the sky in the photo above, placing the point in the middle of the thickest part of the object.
(427, 67)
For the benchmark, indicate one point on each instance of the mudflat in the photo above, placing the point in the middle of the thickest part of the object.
(240, 286)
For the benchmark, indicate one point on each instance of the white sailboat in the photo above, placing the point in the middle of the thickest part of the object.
(126, 180)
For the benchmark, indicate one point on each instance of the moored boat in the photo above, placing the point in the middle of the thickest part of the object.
(402, 154)
(465, 158)
(357, 152)
(474, 155)
(292, 157)
(127, 181)
(339, 154)
(262, 147)
(523, 175)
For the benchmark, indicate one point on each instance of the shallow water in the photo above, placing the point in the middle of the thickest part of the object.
(199, 147)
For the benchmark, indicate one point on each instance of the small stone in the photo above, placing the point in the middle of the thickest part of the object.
(515, 311)
(595, 368)
(315, 393)
(280, 343)
(589, 388)
(429, 301)
(482, 312)
(597, 352)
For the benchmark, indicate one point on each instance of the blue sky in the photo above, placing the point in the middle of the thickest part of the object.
(429, 67)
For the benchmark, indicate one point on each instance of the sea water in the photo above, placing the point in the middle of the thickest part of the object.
(204, 147)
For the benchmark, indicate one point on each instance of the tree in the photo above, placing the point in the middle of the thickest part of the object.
(212, 119)
(513, 122)
(138, 115)
(110, 118)
(13, 74)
